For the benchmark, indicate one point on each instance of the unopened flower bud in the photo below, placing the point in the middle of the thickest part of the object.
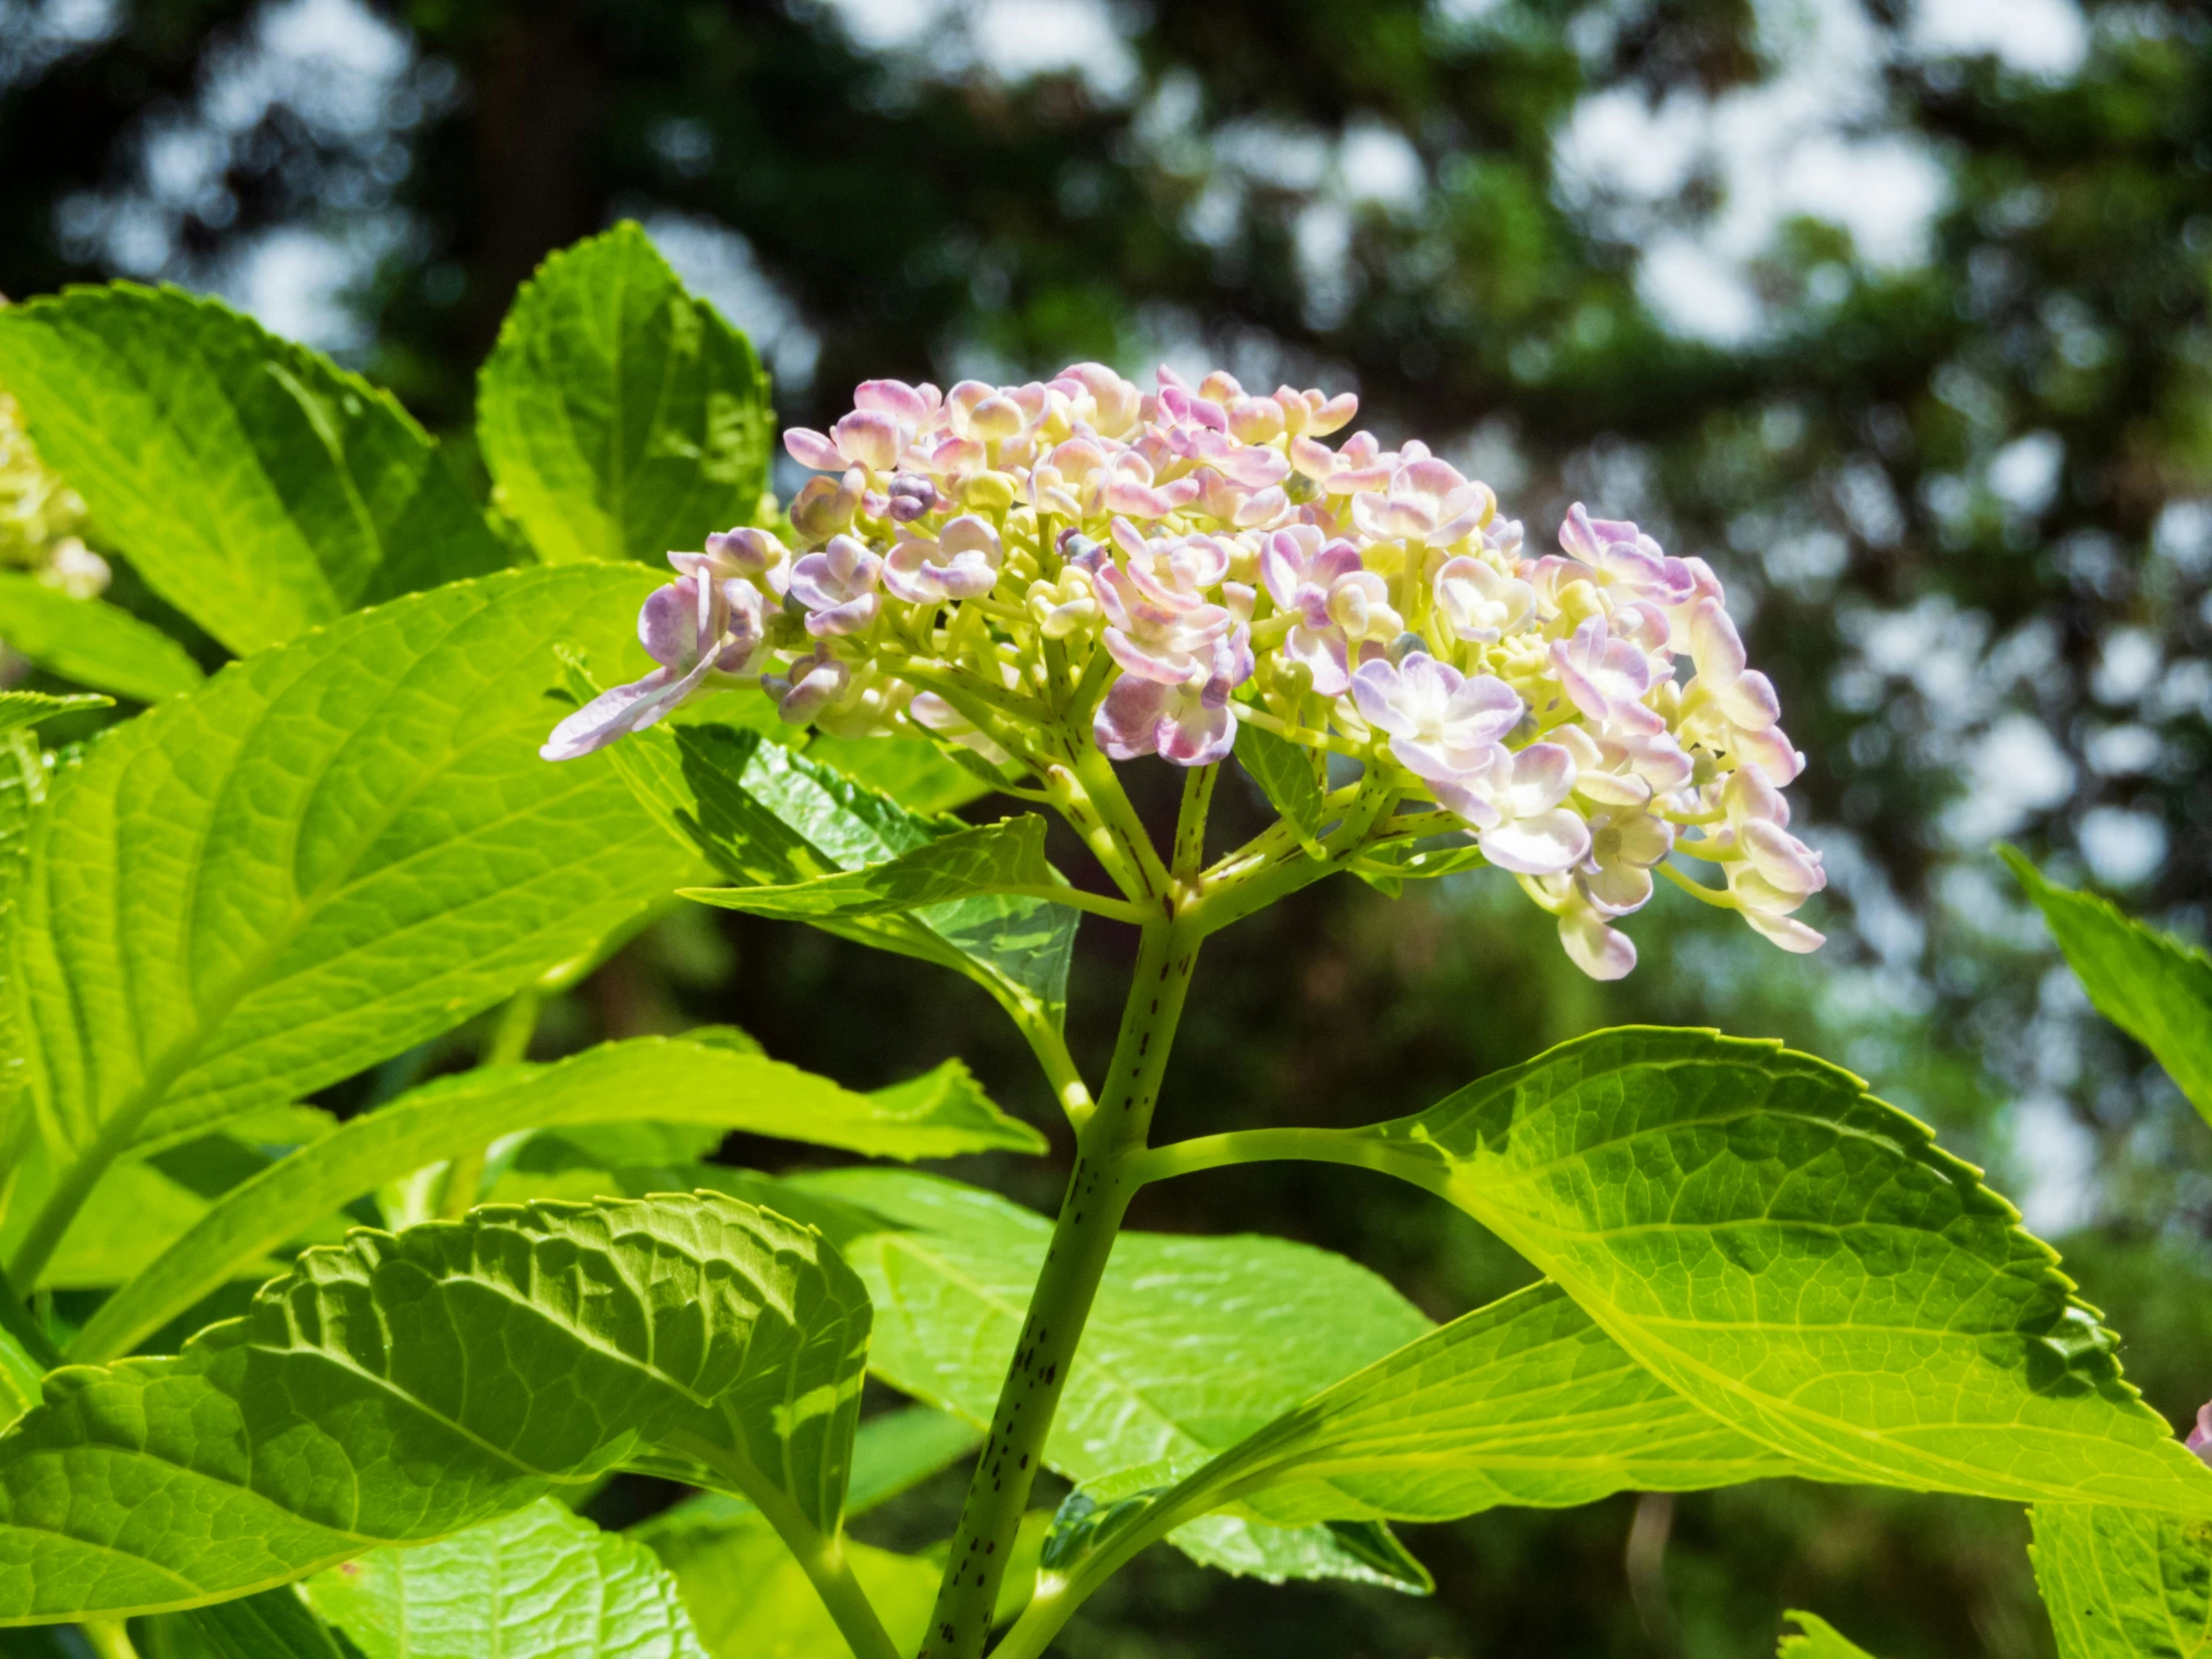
(990, 493)
(910, 496)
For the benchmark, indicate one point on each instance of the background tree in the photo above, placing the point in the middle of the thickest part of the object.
(1962, 476)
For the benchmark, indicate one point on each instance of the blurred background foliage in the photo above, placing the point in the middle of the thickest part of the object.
(1896, 312)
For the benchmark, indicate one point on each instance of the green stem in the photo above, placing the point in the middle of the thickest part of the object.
(1098, 1192)
(1288, 868)
(509, 1042)
(1113, 909)
(1189, 854)
(1406, 1161)
(108, 1639)
(822, 1558)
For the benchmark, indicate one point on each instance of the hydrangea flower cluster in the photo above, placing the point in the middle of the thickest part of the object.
(40, 517)
(1166, 566)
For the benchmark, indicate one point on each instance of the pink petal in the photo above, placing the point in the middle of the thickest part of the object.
(813, 450)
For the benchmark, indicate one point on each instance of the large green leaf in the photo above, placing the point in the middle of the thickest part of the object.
(255, 485)
(540, 1583)
(1193, 1343)
(2125, 1584)
(324, 856)
(2151, 984)
(984, 859)
(645, 1081)
(1800, 1260)
(619, 416)
(91, 642)
(767, 816)
(405, 1386)
(1524, 1402)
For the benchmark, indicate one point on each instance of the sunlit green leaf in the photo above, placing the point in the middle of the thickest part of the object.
(765, 817)
(91, 642)
(988, 857)
(276, 1624)
(2125, 1584)
(324, 856)
(1800, 1260)
(1193, 1344)
(19, 709)
(402, 1388)
(1286, 776)
(655, 1079)
(2151, 984)
(913, 771)
(255, 485)
(540, 1583)
(621, 417)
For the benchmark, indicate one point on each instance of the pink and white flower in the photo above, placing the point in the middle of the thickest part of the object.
(837, 587)
(961, 562)
(1442, 726)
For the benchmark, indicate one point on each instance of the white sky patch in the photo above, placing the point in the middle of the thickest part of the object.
(1009, 39)
(293, 281)
(2017, 769)
(717, 265)
(1813, 140)
(2124, 847)
(2025, 472)
(1377, 164)
(2044, 38)
(2058, 1158)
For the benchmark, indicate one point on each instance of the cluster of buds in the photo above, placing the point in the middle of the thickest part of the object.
(40, 517)
(1164, 567)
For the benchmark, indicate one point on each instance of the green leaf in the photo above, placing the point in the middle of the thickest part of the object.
(1800, 1260)
(1821, 1640)
(767, 816)
(750, 1600)
(91, 642)
(274, 1625)
(20, 709)
(2125, 1584)
(650, 1079)
(322, 857)
(1524, 1402)
(1285, 771)
(987, 859)
(2151, 984)
(913, 771)
(19, 1377)
(619, 416)
(405, 1386)
(541, 1583)
(255, 485)
(1192, 1345)
(893, 1454)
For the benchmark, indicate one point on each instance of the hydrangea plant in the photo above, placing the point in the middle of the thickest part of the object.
(282, 1379)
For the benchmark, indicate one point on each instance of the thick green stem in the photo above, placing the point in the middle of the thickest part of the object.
(108, 1639)
(1098, 1192)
